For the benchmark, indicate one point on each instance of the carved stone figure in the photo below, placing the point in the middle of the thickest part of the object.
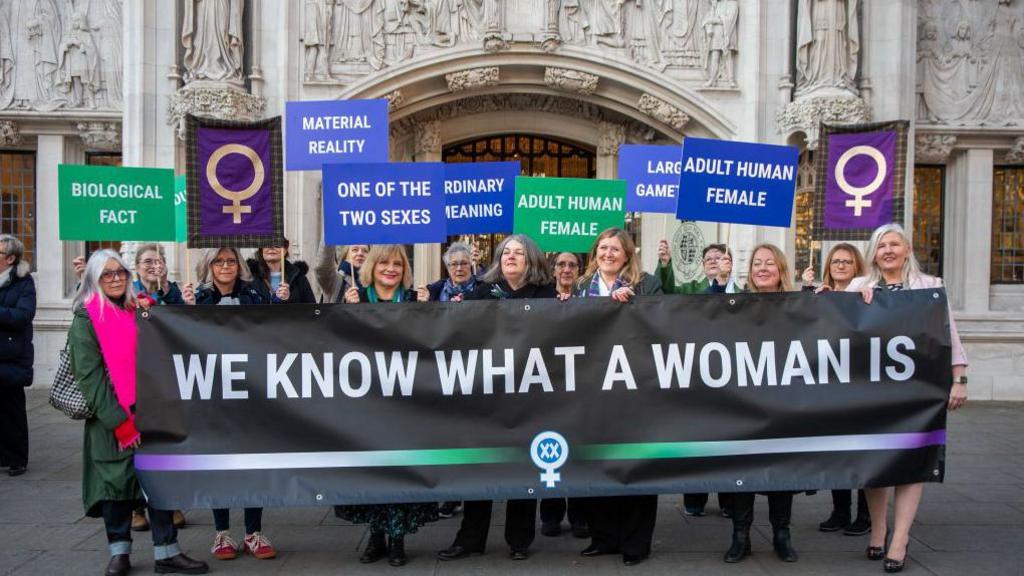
(213, 39)
(358, 36)
(316, 38)
(681, 34)
(828, 46)
(720, 41)
(79, 63)
(573, 23)
(999, 97)
(111, 62)
(606, 23)
(6, 62)
(36, 34)
(406, 23)
(472, 18)
(643, 30)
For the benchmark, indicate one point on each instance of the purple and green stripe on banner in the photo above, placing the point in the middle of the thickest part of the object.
(464, 456)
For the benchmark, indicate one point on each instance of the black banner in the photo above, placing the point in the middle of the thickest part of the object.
(302, 405)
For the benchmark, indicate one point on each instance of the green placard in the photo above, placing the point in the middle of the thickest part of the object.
(115, 203)
(180, 213)
(567, 214)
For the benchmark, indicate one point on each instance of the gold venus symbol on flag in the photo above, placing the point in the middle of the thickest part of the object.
(859, 192)
(236, 209)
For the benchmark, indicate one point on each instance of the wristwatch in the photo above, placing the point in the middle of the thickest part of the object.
(960, 380)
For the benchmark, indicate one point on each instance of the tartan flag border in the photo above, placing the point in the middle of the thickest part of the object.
(899, 194)
(195, 238)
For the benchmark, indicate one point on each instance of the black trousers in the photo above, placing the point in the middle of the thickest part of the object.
(700, 500)
(13, 426)
(842, 499)
(623, 523)
(780, 510)
(552, 510)
(520, 524)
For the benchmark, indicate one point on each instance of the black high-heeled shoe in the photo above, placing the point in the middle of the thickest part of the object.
(892, 566)
(876, 552)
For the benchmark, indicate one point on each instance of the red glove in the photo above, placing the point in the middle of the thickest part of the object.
(126, 433)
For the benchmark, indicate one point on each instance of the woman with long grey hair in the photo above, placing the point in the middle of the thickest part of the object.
(893, 267)
(520, 271)
(102, 344)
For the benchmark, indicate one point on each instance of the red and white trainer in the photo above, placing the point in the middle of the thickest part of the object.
(259, 546)
(224, 548)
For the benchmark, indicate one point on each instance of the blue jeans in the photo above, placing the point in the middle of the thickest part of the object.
(117, 519)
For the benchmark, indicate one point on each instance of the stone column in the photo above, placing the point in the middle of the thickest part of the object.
(610, 136)
(969, 230)
(50, 263)
(427, 256)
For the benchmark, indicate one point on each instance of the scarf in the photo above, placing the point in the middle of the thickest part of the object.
(117, 336)
(371, 295)
(595, 285)
(451, 289)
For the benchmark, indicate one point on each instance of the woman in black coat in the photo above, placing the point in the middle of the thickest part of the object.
(17, 309)
(520, 271)
(271, 268)
(619, 524)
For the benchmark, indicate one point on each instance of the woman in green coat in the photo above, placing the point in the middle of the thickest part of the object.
(102, 344)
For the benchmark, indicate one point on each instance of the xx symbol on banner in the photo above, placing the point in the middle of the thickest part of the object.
(549, 451)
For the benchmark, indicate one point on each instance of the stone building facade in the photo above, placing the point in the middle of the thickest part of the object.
(558, 84)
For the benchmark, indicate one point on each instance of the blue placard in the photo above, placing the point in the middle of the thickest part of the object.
(333, 131)
(400, 203)
(479, 197)
(652, 177)
(739, 182)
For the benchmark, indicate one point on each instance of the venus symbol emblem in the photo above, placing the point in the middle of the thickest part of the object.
(235, 196)
(859, 192)
(549, 451)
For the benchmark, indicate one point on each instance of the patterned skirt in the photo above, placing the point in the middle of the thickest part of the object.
(396, 520)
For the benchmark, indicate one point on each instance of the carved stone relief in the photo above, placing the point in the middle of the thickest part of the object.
(827, 47)
(100, 135)
(663, 111)
(10, 134)
(569, 80)
(345, 40)
(933, 148)
(969, 61)
(60, 54)
(395, 100)
(211, 33)
(428, 137)
(473, 78)
(806, 114)
(1015, 155)
(213, 102)
(610, 135)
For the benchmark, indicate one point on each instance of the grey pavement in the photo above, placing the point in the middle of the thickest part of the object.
(971, 525)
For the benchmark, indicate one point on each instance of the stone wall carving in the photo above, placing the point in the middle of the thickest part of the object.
(211, 33)
(569, 80)
(213, 102)
(473, 78)
(663, 111)
(610, 135)
(1015, 155)
(100, 135)
(428, 137)
(827, 47)
(60, 55)
(806, 114)
(345, 40)
(10, 134)
(395, 100)
(969, 61)
(933, 148)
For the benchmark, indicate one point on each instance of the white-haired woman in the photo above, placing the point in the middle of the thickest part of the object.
(520, 271)
(893, 267)
(225, 280)
(102, 343)
(458, 261)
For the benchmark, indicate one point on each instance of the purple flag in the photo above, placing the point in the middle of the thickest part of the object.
(234, 182)
(859, 180)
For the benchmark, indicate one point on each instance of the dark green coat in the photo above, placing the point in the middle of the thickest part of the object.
(107, 473)
(667, 276)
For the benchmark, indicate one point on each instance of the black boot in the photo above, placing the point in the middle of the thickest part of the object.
(784, 546)
(376, 548)
(396, 552)
(119, 565)
(740, 548)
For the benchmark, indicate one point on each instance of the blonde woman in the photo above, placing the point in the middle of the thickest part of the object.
(893, 267)
(768, 272)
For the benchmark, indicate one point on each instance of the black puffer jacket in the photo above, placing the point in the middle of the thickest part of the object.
(300, 292)
(17, 309)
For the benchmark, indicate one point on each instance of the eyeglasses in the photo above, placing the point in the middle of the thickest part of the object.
(566, 265)
(225, 263)
(711, 259)
(838, 262)
(149, 262)
(459, 264)
(114, 275)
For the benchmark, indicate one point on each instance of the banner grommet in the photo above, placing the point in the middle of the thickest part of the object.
(526, 307)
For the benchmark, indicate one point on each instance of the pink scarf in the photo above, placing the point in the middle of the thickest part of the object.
(115, 330)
